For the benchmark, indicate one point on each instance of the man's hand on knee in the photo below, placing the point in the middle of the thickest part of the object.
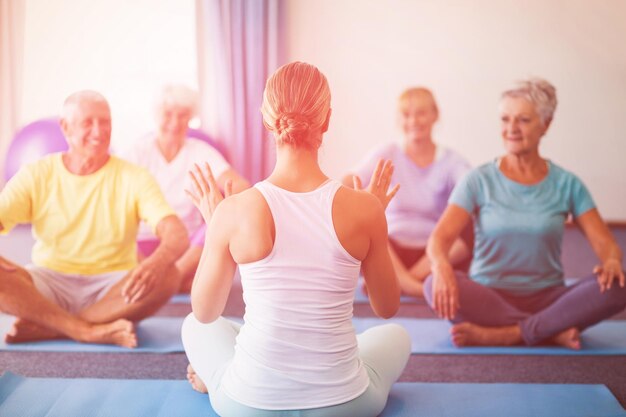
(143, 279)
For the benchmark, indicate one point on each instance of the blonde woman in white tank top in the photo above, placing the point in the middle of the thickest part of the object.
(300, 240)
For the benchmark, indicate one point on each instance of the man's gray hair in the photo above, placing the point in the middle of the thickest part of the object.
(74, 100)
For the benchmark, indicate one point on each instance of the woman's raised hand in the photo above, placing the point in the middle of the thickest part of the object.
(205, 192)
(379, 184)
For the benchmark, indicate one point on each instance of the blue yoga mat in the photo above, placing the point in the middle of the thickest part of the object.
(432, 336)
(155, 335)
(58, 397)
(428, 336)
(180, 299)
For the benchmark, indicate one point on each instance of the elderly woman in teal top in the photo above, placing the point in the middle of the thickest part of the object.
(515, 291)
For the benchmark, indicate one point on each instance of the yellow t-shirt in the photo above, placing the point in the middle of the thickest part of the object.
(83, 224)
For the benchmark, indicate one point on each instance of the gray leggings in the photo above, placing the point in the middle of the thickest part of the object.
(542, 314)
(383, 349)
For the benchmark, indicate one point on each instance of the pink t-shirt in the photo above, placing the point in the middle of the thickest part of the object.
(173, 176)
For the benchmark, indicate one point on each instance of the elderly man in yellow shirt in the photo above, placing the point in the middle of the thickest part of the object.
(85, 206)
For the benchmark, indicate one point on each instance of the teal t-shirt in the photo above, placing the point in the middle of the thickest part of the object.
(519, 228)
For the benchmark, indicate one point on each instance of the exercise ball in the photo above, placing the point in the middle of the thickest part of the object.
(32, 142)
(199, 134)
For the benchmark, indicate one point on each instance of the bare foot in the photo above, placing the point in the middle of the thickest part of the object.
(469, 334)
(195, 381)
(569, 338)
(119, 332)
(26, 331)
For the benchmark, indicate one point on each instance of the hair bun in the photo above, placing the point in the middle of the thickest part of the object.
(292, 128)
(296, 105)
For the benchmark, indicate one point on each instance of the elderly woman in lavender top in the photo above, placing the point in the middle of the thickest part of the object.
(427, 173)
(515, 293)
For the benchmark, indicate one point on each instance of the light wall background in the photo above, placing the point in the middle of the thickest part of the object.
(467, 52)
(127, 50)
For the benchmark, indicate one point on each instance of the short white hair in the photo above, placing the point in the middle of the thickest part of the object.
(178, 95)
(539, 92)
(72, 102)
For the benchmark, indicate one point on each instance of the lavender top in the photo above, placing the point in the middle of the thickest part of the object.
(423, 195)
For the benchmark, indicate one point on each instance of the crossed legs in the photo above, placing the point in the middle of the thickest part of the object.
(557, 314)
(210, 347)
(108, 320)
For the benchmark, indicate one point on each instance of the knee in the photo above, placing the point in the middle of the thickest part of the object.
(189, 327)
(616, 296)
(402, 339)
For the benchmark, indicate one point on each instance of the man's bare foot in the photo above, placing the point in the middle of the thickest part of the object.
(119, 332)
(469, 334)
(23, 331)
(195, 381)
(569, 338)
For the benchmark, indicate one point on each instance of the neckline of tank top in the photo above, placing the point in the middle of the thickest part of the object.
(313, 191)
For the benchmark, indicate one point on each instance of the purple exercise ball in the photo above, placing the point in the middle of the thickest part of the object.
(32, 142)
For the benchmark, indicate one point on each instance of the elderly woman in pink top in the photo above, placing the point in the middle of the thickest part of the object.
(300, 240)
(169, 154)
(428, 172)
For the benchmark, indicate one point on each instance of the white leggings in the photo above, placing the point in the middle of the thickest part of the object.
(383, 349)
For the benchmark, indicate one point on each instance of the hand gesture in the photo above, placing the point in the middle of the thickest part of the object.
(445, 291)
(379, 184)
(608, 272)
(205, 193)
(143, 279)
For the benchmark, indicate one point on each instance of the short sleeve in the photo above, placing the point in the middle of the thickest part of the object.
(465, 192)
(16, 199)
(151, 203)
(581, 200)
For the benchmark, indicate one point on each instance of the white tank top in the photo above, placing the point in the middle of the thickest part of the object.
(297, 348)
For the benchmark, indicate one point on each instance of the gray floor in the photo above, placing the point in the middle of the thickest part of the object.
(608, 370)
